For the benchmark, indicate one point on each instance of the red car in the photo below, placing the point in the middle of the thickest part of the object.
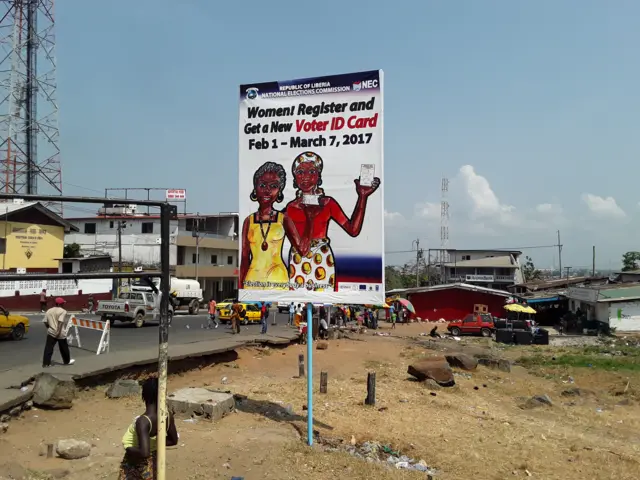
(473, 324)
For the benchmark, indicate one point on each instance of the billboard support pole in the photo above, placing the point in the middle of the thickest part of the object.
(310, 374)
(163, 343)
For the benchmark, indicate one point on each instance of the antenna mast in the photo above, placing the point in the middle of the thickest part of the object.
(29, 135)
(444, 228)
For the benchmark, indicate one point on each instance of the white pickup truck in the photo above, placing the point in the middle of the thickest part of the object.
(136, 307)
(283, 307)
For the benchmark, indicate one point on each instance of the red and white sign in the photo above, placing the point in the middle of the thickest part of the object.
(176, 194)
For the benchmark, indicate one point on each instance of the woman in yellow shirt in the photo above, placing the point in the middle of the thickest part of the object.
(264, 232)
(139, 441)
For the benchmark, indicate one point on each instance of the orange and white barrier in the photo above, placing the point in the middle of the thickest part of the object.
(76, 323)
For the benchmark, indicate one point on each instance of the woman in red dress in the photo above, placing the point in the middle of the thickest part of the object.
(316, 269)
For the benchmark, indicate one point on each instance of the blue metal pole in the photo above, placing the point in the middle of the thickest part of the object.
(310, 374)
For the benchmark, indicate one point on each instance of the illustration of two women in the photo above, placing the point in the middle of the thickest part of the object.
(304, 222)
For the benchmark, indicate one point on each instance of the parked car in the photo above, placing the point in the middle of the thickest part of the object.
(13, 326)
(473, 324)
(283, 307)
(253, 313)
(136, 307)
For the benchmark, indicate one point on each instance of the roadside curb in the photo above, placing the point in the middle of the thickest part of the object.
(11, 381)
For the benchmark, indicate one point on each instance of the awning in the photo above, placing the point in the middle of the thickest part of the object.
(543, 300)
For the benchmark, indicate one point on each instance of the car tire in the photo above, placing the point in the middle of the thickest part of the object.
(485, 332)
(455, 331)
(194, 308)
(139, 320)
(18, 332)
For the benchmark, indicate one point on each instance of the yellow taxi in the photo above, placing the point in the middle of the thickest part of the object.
(14, 326)
(252, 313)
(225, 304)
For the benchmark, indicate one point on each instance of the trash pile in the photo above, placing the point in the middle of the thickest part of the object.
(377, 452)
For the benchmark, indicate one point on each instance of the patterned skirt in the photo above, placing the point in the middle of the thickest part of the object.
(142, 470)
(315, 271)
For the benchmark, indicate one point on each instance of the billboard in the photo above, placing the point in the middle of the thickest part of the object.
(311, 197)
(176, 194)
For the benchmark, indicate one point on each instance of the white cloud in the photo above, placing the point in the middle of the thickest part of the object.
(428, 210)
(549, 208)
(603, 206)
(485, 202)
(393, 216)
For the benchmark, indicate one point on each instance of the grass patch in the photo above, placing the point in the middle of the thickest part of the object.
(597, 361)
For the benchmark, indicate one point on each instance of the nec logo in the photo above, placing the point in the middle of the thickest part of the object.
(366, 84)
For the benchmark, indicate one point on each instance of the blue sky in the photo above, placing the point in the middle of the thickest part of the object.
(529, 108)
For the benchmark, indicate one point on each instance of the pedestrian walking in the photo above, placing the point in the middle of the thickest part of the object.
(140, 439)
(393, 319)
(56, 322)
(292, 312)
(43, 300)
(264, 315)
(213, 321)
(90, 304)
(237, 313)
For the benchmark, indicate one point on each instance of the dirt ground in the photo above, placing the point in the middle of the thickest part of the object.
(476, 429)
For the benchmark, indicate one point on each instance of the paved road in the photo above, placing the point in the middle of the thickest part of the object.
(184, 329)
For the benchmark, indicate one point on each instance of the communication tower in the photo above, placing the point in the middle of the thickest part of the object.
(29, 135)
(444, 224)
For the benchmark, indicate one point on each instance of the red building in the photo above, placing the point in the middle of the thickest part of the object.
(453, 301)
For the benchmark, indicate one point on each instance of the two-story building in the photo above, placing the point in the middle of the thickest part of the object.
(203, 247)
(495, 269)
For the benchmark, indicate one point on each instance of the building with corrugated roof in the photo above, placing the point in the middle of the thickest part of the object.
(497, 269)
(617, 305)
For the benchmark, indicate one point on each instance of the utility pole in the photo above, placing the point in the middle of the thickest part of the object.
(121, 225)
(593, 262)
(567, 269)
(196, 234)
(418, 256)
(559, 255)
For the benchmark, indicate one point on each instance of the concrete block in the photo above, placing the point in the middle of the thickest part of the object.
(200, 402)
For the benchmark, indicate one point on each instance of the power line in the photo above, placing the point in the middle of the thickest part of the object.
(490, 249)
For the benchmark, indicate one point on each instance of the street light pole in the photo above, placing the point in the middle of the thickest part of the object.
(121, 225)
(196, 234)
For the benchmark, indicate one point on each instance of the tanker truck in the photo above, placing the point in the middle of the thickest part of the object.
(183, 292)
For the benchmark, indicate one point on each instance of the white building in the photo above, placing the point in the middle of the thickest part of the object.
(213, 237)
(615, 305)
(495, 269)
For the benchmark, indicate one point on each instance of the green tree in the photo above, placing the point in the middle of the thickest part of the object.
(630, 261)
(405, 276)
(72, 250)
(529, 270)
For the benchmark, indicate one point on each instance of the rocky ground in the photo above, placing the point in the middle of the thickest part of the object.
(500, 412)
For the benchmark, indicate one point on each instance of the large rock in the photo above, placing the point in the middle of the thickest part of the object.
(462, 361)
(436, 369)
(4, 427)
(201, 402)
(495, 363)
(124, 388)
(53, 392)
(71, 449)
(536, 401)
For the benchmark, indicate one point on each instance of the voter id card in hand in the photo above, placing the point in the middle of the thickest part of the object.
(367, 174)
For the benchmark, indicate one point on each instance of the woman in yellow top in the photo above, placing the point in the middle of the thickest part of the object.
(139, 441)
(264, 232)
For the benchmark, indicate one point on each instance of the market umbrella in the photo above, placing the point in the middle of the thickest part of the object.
(406, 303)
(515, 307)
